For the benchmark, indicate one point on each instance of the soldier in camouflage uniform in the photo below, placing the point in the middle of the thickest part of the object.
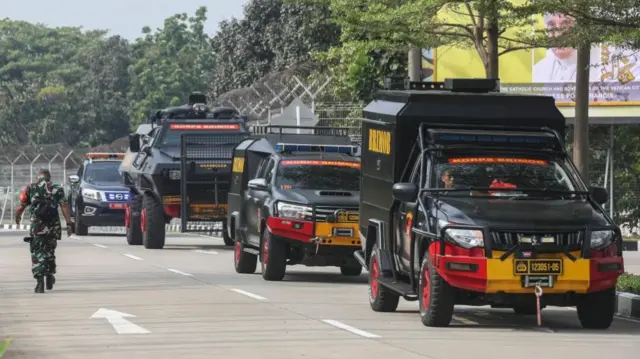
(44, 236)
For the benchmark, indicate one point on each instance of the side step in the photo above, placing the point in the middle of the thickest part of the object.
(401, 288)
(360, 258)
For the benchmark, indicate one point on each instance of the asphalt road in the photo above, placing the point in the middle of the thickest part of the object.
(187, 301)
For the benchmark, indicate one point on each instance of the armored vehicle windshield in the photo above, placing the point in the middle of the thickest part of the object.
(318, 174)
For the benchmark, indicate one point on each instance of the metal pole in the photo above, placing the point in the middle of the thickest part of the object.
(606, 168)
(51, 160)
(611, 163)
(31, 167)
(12, 180)
(64, 168)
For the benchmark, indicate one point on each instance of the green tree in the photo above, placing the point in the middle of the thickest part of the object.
(170, 63)
(272, 36)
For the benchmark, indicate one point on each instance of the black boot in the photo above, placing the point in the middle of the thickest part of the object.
(40, 285)
(50, 280)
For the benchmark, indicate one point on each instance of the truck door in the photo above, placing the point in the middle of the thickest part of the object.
(254, 200)
(404, 222)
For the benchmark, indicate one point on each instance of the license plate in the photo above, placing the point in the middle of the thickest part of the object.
(537, 267)
(117, 205)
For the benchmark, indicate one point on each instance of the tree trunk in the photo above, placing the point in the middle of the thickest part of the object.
(581, 127)
(492, 66)
(415, 64)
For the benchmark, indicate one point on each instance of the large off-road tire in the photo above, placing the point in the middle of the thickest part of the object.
(228, 241)
(381, 298)
(435, 296)
(132, 221)
(80, 228)
(244, 262)
(351, 270)
(152, 223)
(273, 257)
(596, 310)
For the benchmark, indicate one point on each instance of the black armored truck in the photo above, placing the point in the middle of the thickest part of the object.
(469, 197)
(294, 200)
(179, 166)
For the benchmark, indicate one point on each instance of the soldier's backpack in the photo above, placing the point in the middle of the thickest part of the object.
(44, 208)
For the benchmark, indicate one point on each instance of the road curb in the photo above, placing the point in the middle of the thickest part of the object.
(628, 305)
(629, 245)
(15, 227)
(172, 228)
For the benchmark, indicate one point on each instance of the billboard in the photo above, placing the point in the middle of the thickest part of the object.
(614, 74)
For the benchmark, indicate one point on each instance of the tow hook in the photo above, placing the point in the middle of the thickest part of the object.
(316, 240)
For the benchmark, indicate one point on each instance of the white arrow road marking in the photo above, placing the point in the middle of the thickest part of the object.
(99, 245)
(132, 256)
(205, 252)
(118, 321)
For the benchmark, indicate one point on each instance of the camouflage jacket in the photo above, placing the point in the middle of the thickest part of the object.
(40, 189)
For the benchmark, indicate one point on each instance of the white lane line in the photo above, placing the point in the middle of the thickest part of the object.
(205, 252)
(179, 272)
(628, 319)
(132, 256)
(99, 245)
(248, 294)
(464, 320)
(349, 328)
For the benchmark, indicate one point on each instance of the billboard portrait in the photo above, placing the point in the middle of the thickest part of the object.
(614, 72)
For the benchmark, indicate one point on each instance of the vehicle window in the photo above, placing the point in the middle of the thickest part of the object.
(261, 168)
(80, 171)
(269, 171)
(415, 174)
(102, 173)
(171, 138)
(318, 175)
(518, 174)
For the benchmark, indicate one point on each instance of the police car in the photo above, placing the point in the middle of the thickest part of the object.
(96, 194)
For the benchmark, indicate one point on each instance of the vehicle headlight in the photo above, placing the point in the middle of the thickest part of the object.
(601, 238)
(174, 174)
(466, 238)
(290, 210)
(91, 194)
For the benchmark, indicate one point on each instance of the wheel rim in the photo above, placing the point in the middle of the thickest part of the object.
(265, 253)
(127, 213)
(426, 287)
(143, 220)
(238, 251)
(373, 278)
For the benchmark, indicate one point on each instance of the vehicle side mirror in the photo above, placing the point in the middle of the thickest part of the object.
(134, 142)
(74, 179)
(258, 184)
(600, 195)
(405, 192)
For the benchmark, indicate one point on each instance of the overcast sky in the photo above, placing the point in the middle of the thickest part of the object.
(123, 17)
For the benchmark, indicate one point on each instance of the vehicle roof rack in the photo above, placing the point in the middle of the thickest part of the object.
(471, 85)
(196, 109)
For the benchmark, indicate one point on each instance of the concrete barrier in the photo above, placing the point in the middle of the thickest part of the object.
(628, 305)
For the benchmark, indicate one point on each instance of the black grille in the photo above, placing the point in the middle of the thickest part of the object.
(507, 240)
(210, 147)
(322, 212)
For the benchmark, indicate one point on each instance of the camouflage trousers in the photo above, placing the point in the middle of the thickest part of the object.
(43, 255)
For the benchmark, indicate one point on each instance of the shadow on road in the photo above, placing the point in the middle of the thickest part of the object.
(191, 247)
(324, 278)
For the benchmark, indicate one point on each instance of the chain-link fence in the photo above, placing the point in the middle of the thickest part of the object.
(19, 170)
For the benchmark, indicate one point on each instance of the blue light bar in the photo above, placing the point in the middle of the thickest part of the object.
(296, 147)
